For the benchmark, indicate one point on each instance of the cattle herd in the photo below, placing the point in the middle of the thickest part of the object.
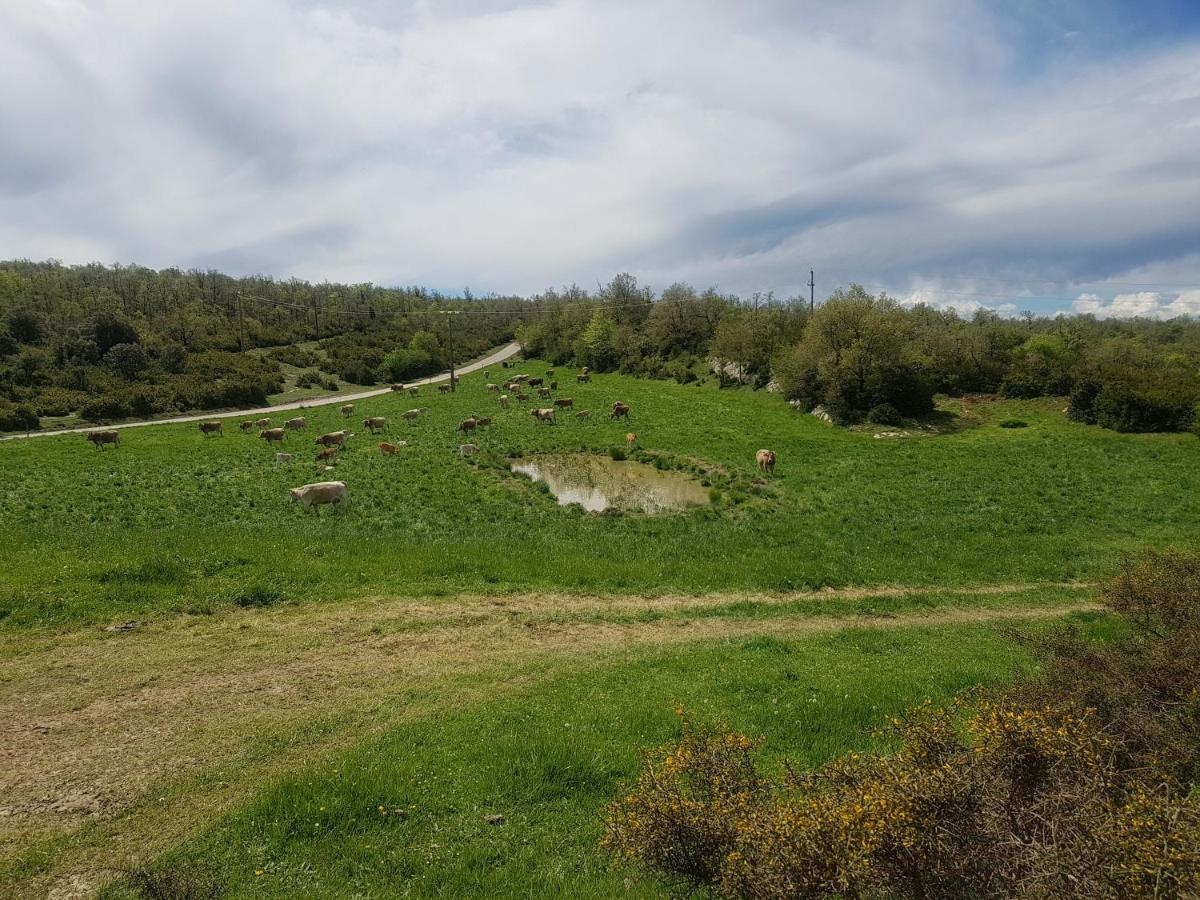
(334, 493)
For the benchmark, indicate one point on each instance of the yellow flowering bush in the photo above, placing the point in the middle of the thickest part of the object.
(1030, 793)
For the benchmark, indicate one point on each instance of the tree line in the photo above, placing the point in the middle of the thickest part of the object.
(107, 342)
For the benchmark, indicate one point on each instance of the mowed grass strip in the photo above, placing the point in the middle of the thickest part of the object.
(174, 522)
(407, 814)
(162, 726)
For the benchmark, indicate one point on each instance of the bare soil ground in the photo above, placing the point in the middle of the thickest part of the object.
(116, 745)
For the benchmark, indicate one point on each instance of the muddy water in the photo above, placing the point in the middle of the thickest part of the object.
(598, 483)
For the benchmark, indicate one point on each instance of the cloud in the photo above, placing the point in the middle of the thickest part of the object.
(1143, 304)
(510, 146)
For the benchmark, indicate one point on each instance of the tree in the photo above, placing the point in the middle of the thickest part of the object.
(109, 330)
(127, 360)
(596, 347)
(25, 326)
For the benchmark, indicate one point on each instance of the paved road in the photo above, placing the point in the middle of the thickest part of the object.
(490, 360)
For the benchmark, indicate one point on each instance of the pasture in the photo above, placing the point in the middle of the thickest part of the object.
(333, 702)
(176, 522)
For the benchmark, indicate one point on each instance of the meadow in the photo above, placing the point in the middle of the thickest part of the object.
(173, 522)
(333, 704)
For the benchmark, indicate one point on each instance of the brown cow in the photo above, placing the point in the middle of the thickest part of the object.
(765, 460)
(467, 425)
(398, 388)
(543, 415)
(207, 428)
(565, 402)
(544, 393)
(494, 388)
(310, 496)
(100, 438)
(484, 422)
(620, 410)
(583, 414)
(412, 414)
(375, 423)
(387, 449)
(554, 385)
(585, 378)
(262, 423)
(414, 391)
(504, 401)
(297, 424)
(272, 434)
(333, 439)
(521, 398)
(327, 454)
(247, 425)
(348, 410)
(536, 382)
(443, 388)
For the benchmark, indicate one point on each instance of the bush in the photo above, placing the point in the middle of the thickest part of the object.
(1080, 783)
(178, 882)
(105, 408)
(310, 378)
(884, 414)
(295, 356)
(19, 417)
(59, 401)
(617, 453)
(1014, 423)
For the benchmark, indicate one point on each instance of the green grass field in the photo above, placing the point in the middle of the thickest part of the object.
(174, 522)
(457, 645)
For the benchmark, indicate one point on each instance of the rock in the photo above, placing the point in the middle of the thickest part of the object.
(821, 413)
(124, 626)
(496, 819)
(891, 434)
(773, 387)
(467, 449)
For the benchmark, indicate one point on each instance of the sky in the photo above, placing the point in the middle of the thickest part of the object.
(1018, 155)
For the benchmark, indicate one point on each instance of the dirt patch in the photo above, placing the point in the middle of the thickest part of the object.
(128, 741)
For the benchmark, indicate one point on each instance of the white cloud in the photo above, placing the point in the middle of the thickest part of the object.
(511, 146)
(1143, 304)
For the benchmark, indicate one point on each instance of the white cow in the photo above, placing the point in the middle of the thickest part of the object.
(313, 495)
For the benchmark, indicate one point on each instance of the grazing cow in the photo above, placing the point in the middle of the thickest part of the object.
(281, 458)
(520, 379)
(468, 424)
(554, 385)
(467, 449)
(411, 414)
(348, 410)
(387, 449)
(271, 435)
(544, 393)
(443, 388)
(583, 414)
(414, 391)
(631, 439)
(207, 428)
(521, 397)
(262, 423)
(327, 454)
(247, 425)
(494, 388)
(765, 460)
(311, 496)
(504, 401)
(543, 415)
(297, 424)
(536, 382)
(484, 422)
(375, 424)
(620, 410)
(333, 439)
(585, 370)
(398, 388)
(100, 438)
(585, 378)
(565, 402)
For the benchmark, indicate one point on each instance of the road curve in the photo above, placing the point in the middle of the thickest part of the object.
(490, 360)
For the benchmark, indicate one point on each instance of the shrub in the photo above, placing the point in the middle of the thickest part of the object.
(309, 378)
(1014, 423)
(617, 453)
(1080, 783)
(178, 882)
(884, 414)
(19, 417)
(59, 401)
(295, 356)
(105, 408)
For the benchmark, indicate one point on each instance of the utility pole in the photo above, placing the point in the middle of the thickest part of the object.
(450, 341)
(812, 291)
(241, 326)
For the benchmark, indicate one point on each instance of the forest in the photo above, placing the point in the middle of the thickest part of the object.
(111, 342)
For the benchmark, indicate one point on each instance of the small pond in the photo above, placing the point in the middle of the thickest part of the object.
(598, 483)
